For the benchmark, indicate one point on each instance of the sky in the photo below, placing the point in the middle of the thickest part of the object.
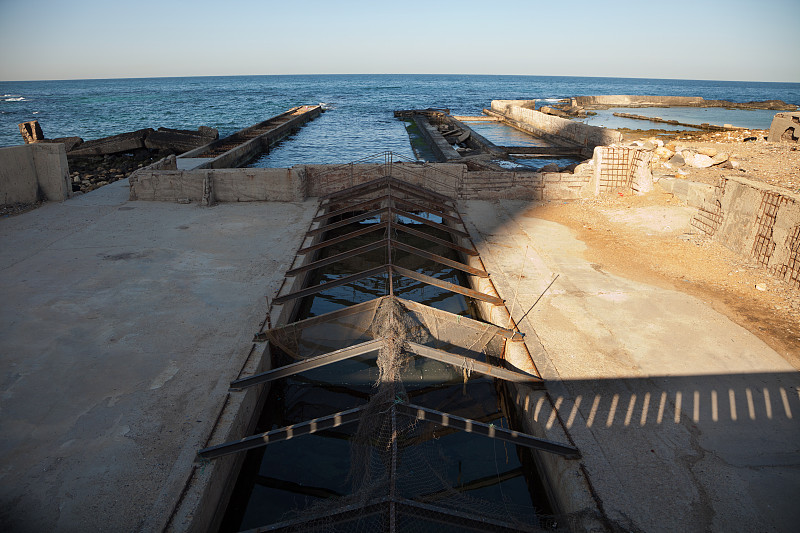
(699, 39)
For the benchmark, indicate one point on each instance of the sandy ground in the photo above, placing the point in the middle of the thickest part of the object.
(646, 238)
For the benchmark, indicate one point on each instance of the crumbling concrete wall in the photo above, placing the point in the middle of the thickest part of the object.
(755, 220)
(785, 127)
(558, 130)
(33, 172)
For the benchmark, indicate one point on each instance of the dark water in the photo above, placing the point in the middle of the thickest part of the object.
(359, 123)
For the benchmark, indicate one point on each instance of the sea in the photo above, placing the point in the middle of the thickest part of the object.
(359, 121)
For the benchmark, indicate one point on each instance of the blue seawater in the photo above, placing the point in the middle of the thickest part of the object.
(358, 124)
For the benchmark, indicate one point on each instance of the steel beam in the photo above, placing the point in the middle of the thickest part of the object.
(308, 427)
(487, 430)
(307, 364)
(437, 240)
(331, 284)
(343, 238)
(338, 257)
(439, 259)
(472, 364)
(452, 287)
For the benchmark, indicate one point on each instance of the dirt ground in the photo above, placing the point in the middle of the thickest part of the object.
(642, 238)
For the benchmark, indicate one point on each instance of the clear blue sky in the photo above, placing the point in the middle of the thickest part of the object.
(699, 39)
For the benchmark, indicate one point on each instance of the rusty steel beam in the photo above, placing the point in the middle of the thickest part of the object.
(343, 238)
(431, 223)
(338, 257)
(417, 207)
(356, 218)
(308, 291)
(452, 287)
(437, 240)
(439, 259)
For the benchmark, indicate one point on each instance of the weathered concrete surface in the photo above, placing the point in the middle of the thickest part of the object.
(121, 326)
(755, 220)
(686, 421)
(785, 127)
(31, 172)
(635, 100)
(180, 140)
(124, 142)
(561, 131)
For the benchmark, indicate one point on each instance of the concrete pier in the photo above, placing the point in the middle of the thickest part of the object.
(244, 145)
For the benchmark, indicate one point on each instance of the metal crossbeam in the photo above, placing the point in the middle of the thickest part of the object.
(308, 364)
(439, 259)
(436, 240)
(351, 220)
(431, 223)
(331, 284)
(487, 430)
(417, 207)
(338, 257)
(343, 238)
(472, 364)
(452, 287)
(308, 427)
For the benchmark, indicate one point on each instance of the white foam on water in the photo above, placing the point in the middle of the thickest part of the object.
(15, 99)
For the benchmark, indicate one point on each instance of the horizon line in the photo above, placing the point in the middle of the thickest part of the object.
(390, 74)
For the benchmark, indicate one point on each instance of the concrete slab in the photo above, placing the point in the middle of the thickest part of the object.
(121, 326)
(686, 421)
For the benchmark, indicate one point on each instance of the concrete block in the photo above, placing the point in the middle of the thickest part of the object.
(124, 142)
(785, 127)
(34, 172)
(31, 132)
(180, 141)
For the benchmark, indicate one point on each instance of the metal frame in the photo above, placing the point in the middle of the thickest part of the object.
(473, 365)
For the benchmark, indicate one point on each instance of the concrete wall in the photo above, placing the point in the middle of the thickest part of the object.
(555, 129)
(755, 220)
(635, 100)
(303, 181)
(227, 185)
(34, 172)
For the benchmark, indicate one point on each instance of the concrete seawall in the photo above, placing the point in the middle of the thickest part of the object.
(560, 131)
(635, 100)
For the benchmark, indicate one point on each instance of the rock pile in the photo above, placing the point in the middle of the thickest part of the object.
(676, 158)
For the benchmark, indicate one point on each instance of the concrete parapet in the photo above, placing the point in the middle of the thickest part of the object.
(303, 181)
(33, 172)
(755, 220)
(218, 185)
(558, 130)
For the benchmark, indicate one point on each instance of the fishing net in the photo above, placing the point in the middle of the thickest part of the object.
(401, 475)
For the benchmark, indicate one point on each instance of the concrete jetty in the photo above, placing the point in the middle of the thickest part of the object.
(244, 145)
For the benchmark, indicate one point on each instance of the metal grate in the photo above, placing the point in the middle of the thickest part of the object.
(764, 245)
(708, 218)
(615, 169)
(791, 270)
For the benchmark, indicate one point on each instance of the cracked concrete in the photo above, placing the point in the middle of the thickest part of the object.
(686, 421)
(121, 327)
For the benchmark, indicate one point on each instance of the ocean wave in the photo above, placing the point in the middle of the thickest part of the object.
(15, 98)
